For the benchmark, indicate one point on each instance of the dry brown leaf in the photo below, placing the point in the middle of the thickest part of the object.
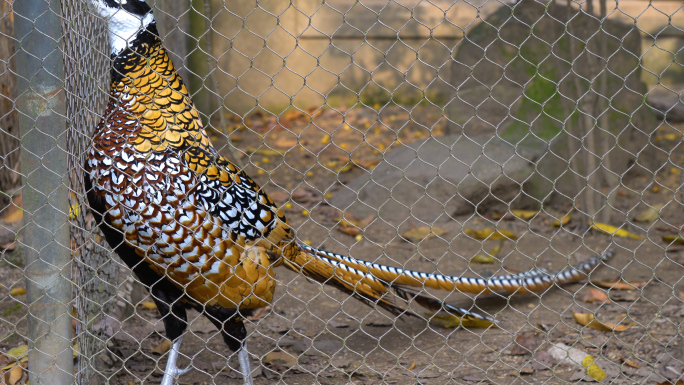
(9, 246)
(302, 195)
(15, 375)
(17, 291)
(612, 230)
(619, 284)
(452, 321)
(280, 357)
(286, 143)
(490, 233)
(350, 230)
(631, 364)
(650, 214)
(595, 295)
(587, 319)
(161, 348)
(424, 232)
(670, 238)
(279, 196)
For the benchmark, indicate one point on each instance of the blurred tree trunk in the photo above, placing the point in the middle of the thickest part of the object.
(10, 178)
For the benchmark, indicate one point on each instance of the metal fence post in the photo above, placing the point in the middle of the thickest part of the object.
(42, 103)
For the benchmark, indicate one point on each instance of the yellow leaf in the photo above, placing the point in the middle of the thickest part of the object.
(593, 370)
(424, 232)
(74, 211)
(283, 358)
(612, 230)
(524, 214)
(347, 167)
(452, 321)
(75, 350)
(563, 221)
(673, 238)
(305, 213)
(325, 140)
(358, 238)
(17, 291)
(308, 242)
(587, 319)
(15, 375)
(490, 233)
(412, 366)
(14, 215)
(268, 152)
(481, 258)
(649, 215)
(161, 348)
(17, 352)
(148, 305)
(288, 205)
(328, 196)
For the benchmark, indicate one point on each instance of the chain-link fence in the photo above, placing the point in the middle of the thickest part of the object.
(499, 141)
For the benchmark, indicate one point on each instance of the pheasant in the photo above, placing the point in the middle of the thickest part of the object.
(197, 231)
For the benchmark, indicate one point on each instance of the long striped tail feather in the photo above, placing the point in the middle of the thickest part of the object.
(372, 283)
(536, 280)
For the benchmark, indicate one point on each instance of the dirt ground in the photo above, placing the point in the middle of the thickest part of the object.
(315, 334)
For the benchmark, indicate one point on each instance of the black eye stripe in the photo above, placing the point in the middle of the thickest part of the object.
(136, 7)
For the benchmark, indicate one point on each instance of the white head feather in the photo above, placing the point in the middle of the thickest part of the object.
(123, 26)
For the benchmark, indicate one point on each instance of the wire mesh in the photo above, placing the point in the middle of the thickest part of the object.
(462, 138)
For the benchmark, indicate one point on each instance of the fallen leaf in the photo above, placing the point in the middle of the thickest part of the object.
(489, 233)
(13, 214)
(353, 231)
(325, 140)
(280, 357)
(452, 321)
(524, 214)
(161, 348)
(302, 195)
(612, 230)
(17, 352)
(17, 291)
(650, 214)
(481, 258)
(671, 238)
(286, 142)
(15, 375)
(595, 295)
(631, 364)
(424, 232)
(279, 196)
(527, 342)
(593, 370)
(620, 284)
(9, 246)
(563, 221)
(412, 366)
(587, 319)
(268, 152)
(148, 305)
(347, 168)
(367, 164)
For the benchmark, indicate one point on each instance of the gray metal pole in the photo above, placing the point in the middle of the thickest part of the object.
(41, 103)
